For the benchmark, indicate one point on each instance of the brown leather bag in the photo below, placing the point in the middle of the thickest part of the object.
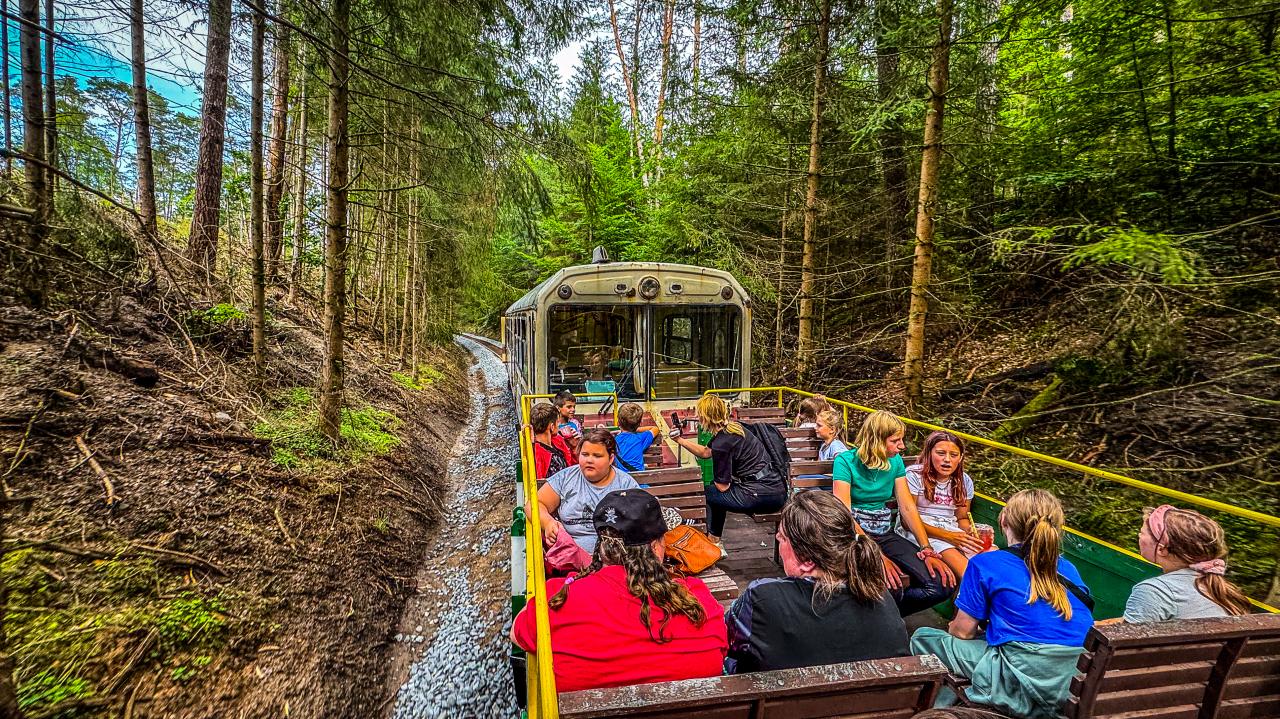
(689, 550)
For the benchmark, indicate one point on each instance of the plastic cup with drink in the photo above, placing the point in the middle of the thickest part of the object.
(987, 534)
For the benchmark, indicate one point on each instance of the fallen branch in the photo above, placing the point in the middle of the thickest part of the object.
(172, 556)
(283, 529)
(102, 473)
(182, 557)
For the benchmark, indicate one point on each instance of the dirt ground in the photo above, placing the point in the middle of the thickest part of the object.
(212, 582)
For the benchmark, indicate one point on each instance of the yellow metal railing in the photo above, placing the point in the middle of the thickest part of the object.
(540, 677)
(1093, 471)
(527, 400)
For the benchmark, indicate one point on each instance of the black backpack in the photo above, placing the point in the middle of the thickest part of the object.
(775, 447)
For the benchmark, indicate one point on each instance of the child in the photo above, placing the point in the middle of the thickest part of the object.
(810, 408)
(567, 425)
(1191, 551)
(830, 425)
(943, 492)
(550, 453)
(866, 479)
(1037, 611)
(631, 441)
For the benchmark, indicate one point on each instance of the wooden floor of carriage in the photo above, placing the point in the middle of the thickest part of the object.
(750, 547)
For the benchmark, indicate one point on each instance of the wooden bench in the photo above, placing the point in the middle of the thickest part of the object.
(678, 487)
(882, 688)
(1193, 669)
(776, 416)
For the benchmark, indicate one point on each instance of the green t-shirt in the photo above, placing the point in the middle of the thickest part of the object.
(868, 488)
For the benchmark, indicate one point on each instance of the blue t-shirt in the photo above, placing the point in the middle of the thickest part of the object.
(995, 587)
(631, 447)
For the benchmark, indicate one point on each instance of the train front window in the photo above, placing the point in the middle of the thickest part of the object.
(695, 349)
(594, 349)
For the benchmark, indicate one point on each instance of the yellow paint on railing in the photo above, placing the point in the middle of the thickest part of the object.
(1093, 471)
(526, 401)
(543, 702)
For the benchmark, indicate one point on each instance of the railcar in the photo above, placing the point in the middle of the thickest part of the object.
(647, 331)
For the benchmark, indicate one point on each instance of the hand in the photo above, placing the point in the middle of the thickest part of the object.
(550, 531)
(965, 541)
(893, 576)
(939, 568)
(675, 433)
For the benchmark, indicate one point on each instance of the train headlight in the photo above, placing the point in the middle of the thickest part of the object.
(726, 292)
(564, 292)
(649, 287)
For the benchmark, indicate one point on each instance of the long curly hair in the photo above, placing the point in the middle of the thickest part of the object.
(647, 580)
(932, 477)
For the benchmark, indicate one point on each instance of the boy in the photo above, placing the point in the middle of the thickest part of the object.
(567, 425)
(550, 453)
(631, 441)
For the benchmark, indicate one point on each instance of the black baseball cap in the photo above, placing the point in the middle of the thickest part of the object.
(633, 513)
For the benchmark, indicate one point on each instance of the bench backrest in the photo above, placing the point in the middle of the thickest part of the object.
(677, 487)
(1193, 669)
(886, 688)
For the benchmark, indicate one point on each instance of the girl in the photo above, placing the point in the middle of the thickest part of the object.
(1191, 551)
(810, 408)
(829, 428)
(943, 492)
(835, 578)
(1037, 611)
(744, 480)
(866, 479)
(625, 619)
(573, 493)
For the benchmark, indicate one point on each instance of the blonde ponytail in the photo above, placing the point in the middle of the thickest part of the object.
(1036, 517)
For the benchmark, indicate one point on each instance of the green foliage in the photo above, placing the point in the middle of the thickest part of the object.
(297, 443)
(48, 688)
(422, 379)
(189, 620)
(1141, 253)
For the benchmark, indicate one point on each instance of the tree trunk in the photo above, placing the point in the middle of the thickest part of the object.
(987, 107)
(893, 155)
(8, 99)
(33, 147)
(697, 44)
(668, 22)
(804, 341)
(142, 121)
(8, 686)
(300, 192)
(256, 228)
(275, 157)
(333, 372)
(628, 82)
(927, 210)
(50, 100)
(202, 245)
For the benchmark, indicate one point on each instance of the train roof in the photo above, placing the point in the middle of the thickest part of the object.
(545, 289)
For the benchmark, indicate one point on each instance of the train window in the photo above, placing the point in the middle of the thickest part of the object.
(594, 344)
(697, 349)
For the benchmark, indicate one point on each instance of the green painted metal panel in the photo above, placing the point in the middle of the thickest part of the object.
(1110, 574)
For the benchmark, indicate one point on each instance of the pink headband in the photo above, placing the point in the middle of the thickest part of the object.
(1155, 521)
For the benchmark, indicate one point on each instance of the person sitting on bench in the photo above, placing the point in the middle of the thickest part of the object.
(1191, 551)
(573, 493)
(744, 479)
(626, 619)
(832, 607)
(1037, 611)
(866, 479)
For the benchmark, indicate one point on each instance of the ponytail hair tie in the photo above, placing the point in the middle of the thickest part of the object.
(1213, 566)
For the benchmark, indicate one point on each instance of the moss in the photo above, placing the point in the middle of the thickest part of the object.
(424, 377)
(190, 620)
(297, 443)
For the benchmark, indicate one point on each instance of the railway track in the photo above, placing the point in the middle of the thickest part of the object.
(488, 343)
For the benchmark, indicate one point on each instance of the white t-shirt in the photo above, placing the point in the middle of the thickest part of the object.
(942, 504)
(1170, 596)
(578, 500)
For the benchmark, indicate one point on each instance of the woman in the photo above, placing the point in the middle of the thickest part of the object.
(1191, 552)
(865, 480)
(744, 480)
(943, 492)
(1037, 611)
(626, 620)
(833, 606)
(573, 493)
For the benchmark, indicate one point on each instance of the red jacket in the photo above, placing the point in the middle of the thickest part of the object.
(598, 639)
(542, 455)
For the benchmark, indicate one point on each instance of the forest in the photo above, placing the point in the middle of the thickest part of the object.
(1051, 222)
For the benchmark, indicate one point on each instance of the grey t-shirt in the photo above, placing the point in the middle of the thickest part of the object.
(578, 499)
(1170, 596)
